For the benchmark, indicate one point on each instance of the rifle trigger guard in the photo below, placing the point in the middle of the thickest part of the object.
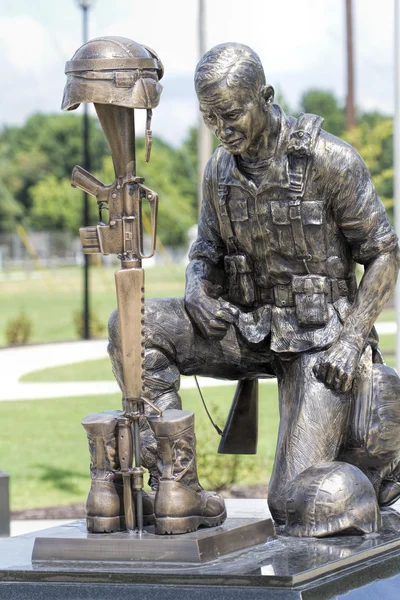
(152, 199)
(103, 206)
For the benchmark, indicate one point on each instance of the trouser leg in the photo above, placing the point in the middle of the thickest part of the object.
(313, 425)
(161, 387)
(174, 347)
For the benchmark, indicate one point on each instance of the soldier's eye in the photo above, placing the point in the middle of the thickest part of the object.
(233, 115)
(209, 116)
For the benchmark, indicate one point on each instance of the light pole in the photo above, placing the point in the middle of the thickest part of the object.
(204, 144)
(396, 143)
(85, 6)
(350, 105)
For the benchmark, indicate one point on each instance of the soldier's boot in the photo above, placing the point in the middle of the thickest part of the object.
(389, 491)
(181, 504)
(104, 505)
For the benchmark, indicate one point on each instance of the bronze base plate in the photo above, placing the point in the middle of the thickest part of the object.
(72, 542)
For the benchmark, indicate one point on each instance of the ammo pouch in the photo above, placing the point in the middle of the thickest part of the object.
(240, 279)
(374, 436)
(310, 298)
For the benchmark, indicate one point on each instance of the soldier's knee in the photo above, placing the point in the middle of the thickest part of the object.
(277, 497)
(161, 373)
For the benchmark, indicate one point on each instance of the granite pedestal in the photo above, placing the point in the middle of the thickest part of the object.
(350, 567)
(4, 505)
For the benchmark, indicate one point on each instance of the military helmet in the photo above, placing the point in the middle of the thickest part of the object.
(113, 70)
(330, 498)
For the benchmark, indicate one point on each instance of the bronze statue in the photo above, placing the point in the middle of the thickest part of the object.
(287, 212)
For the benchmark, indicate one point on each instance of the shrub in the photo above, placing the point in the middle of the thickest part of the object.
(19, 329)
(219, 472)
(97, 327)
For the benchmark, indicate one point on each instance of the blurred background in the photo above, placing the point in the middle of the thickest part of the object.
(334, 58)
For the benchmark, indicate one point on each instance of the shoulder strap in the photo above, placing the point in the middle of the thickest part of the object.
(300, 147)
(220, 194)
(302, 139)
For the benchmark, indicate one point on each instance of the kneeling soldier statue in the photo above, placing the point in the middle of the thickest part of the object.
(288, 210)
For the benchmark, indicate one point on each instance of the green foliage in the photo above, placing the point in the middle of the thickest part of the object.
(97, 326)
(45, 145)
(19, 329)
(326, 105)
(56, 206)
(173, 181)
(220, 471)
(374, 141)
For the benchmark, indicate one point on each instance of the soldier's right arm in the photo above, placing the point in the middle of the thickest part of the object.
(205, 275)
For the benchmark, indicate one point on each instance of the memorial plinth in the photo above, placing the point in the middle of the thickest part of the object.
(351, 567)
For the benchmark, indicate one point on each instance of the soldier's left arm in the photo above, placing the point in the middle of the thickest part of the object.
(364, 224)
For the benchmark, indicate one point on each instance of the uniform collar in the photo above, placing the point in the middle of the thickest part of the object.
(277, 173)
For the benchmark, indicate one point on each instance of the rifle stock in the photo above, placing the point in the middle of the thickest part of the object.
(241, 428)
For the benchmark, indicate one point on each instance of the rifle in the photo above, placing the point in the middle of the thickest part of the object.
(123, 236)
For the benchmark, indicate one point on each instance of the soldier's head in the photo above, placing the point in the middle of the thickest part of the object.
(233, 95)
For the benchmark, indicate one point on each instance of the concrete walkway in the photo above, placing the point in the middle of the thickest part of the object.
(15, 362)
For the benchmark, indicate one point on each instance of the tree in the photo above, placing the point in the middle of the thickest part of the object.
(324, 104)
(164, 174)
(56, 206)
(45, 145)
(375, 145)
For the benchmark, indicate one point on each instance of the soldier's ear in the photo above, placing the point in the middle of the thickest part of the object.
(268, 93)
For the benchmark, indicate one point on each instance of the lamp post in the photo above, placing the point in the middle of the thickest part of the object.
(396, 143)
(85, 6)
(204, 144)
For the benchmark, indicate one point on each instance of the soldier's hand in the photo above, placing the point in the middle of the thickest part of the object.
(212, 316)
(338, 366)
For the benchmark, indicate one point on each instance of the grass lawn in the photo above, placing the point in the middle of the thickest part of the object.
(90, 370)
(51, 300)
(44, 449)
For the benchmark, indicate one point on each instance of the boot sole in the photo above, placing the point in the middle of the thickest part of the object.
(105, 524)
(178, 525)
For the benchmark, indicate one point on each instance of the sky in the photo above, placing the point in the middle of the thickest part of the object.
(301, 44)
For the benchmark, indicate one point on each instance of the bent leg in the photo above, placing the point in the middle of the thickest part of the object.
(313, 425)
(174, 347)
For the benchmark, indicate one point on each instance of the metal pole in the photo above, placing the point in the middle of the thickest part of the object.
(204, 145)
(350, 107)
(85, 215)
(396, 143)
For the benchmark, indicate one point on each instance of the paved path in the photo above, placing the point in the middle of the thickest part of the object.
(15, 362)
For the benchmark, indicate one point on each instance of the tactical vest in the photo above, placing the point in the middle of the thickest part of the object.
(309, 293)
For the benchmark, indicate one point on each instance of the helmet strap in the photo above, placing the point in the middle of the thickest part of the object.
(148, 135)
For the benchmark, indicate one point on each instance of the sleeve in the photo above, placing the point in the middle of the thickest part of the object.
(358, 211)
(209, 244)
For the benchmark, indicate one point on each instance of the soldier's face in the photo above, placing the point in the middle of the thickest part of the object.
(237, 120)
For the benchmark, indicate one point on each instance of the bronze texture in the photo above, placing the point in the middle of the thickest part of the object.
(288, 210)
(181, 505)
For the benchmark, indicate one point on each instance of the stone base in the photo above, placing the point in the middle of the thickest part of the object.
(74, 543)
(285, 568)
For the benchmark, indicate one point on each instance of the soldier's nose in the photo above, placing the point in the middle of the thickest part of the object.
(224, 133)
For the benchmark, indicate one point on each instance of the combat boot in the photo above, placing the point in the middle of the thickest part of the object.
(104, 505)
(181, 504)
